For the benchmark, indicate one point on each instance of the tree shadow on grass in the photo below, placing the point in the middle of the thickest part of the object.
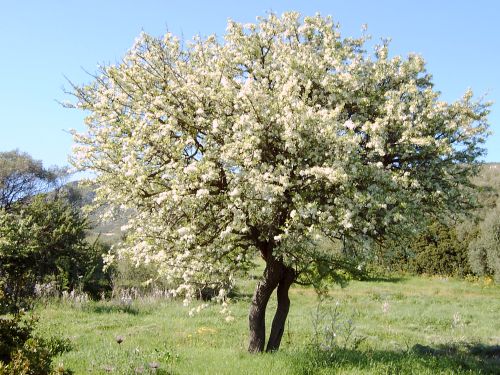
(237, 294)
(474, 356)
(459, 358)
(111, 309)
(385, 279)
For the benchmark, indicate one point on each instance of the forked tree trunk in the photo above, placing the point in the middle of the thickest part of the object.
(279, 320)
(276, 274)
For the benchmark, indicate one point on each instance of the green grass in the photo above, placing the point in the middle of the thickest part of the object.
(405, 326)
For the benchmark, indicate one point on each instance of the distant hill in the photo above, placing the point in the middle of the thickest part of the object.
(82, 195)
(489, 176)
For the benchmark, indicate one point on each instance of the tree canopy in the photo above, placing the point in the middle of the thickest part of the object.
(21, 177)
(265, 139)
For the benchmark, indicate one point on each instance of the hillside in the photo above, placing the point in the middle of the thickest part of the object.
(82, 195)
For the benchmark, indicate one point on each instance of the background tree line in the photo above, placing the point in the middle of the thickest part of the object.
(469, 246)
(43, 234)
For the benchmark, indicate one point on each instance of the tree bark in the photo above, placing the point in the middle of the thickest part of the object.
(257, 315)
(278, 326)
(276, 274)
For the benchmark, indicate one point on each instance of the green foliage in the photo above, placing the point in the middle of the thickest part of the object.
(484, 251)
(42, 242)
(143, 276)
(470, 246)
(484, 246)
(21, 177)
(14, 332)
(23, 353)
(439, 252)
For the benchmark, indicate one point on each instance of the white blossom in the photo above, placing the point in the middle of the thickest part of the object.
(277, 132)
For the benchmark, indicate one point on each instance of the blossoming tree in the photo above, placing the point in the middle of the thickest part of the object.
(280, 132)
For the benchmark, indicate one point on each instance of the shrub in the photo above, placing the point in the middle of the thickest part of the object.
(438, 250)
(334, 328)
(484, 251)
(22, 353)
(44, 241)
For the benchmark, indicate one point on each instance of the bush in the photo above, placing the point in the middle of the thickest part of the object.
(44, 241)
(484, 251)
(438, 250)
(22, 353)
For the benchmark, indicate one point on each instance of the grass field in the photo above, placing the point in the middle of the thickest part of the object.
(399, 326)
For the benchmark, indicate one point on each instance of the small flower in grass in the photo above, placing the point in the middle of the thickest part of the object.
(119, 339)
(154, 365)
(108, 368)
(60, 369)
(229, 318)
(456, 320)
(385, 307)
(204, 330)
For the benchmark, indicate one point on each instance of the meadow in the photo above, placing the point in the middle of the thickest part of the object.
(405, 325)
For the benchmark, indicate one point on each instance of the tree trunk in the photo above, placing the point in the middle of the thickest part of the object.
(257, 315)
(276, 274)
(279, 320)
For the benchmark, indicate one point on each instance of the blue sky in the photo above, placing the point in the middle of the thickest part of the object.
(44, 41)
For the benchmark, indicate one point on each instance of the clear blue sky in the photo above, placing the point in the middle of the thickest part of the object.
(43, 41)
